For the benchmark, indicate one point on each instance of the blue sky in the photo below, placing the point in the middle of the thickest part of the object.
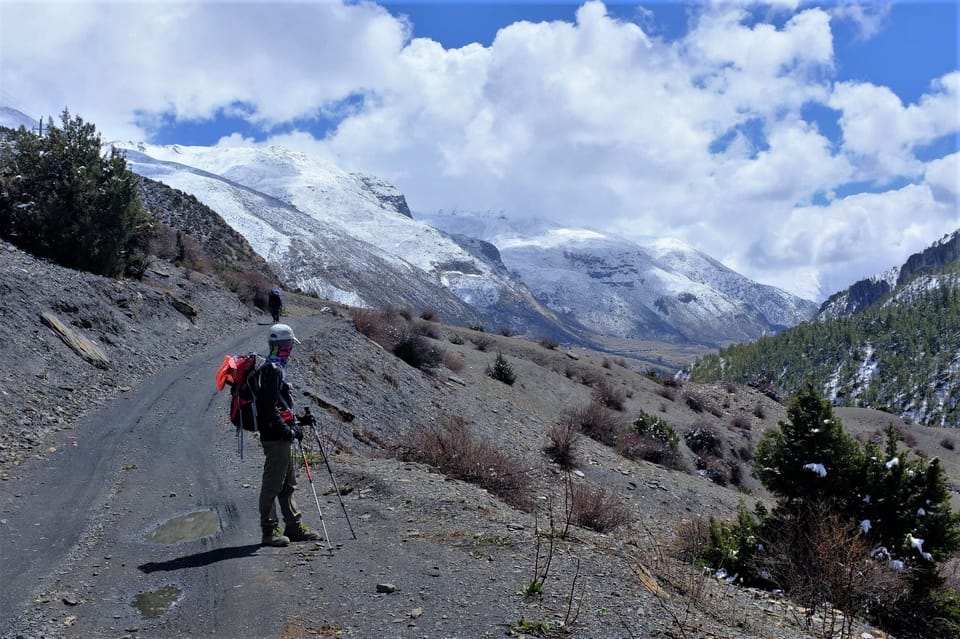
(806, 145)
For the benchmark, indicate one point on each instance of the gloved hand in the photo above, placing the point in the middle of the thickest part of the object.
(306, 420)
(296, 431)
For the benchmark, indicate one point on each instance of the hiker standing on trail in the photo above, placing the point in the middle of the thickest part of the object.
(278, 427)
(275, 304)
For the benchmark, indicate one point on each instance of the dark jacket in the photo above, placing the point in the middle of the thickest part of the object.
(273, 397)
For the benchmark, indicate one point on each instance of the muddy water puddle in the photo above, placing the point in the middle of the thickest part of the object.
(155, 603)
(200, 523)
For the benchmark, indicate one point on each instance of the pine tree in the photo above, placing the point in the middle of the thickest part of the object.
(502, 370)
(62, 199)
(810, 458)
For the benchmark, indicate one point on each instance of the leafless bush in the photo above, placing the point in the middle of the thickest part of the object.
(695, 402)
(948, 443)
(416, 351)
(667, 392)
(823, 562)
(506, 331)
(549, 343)
(691, 539)
(704, 440)
(606, 362)
(719, 471)
(452, 362)
(453, 450)
(428, 329)
(429, 315)
(249, 286)
(564, 439)
(481, 342)
(759, 411)
(382, 326)
(609, 395)
(596, 509)
(636, 446)
(740, 421)
(730, 387)
(589, 376)
(598, 422)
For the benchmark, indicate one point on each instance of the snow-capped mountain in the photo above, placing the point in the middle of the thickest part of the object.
(664, 290)
(348, 237)
(351, 237)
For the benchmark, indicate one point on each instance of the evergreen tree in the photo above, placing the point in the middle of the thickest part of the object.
(810, 458)
(62, 199)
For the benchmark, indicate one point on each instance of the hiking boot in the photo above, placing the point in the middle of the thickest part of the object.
(274, 538)
(300, 533)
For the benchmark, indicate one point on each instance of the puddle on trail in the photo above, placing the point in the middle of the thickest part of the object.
(187, 527)
(156, 602)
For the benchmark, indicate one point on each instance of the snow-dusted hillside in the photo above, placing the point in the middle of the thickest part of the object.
(664, 290)
(350, 237)
(13, 119)
(347, 237)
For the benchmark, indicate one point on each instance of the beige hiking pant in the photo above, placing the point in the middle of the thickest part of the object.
(279, 484)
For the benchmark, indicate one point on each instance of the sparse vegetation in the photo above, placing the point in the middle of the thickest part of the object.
(452, 449)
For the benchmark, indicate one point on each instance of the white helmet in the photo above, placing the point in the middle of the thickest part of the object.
(280, 333)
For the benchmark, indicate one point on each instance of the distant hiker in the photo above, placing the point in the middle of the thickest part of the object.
(275, 304)
(278, 427)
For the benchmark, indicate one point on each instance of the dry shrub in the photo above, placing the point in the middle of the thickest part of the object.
(823, 562)
(375, 324)
(704, 440)
(589, 376)
(606, 362)
(696, 403)
(481, 342)
(428, 329)
(740, 421)
(506, 331)
(452, 449)
(948, 443)
(429, 314)
(416, 351)
(720, 471)
(636, 446)
(667, 392)
(691, 539)
(562, 448)
(249, 286)
(598, 422)
(453, 362)
(759, 411)
(549, 343)
(609, 395)
(596, 509)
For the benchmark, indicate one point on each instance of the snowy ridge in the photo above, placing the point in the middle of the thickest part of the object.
(665, 289)
(350, 237)
(347, 237)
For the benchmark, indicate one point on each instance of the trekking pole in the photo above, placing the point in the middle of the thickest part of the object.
(309, 418)
(315, 498)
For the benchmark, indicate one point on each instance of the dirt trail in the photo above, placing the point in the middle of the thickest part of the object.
(77, 546)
